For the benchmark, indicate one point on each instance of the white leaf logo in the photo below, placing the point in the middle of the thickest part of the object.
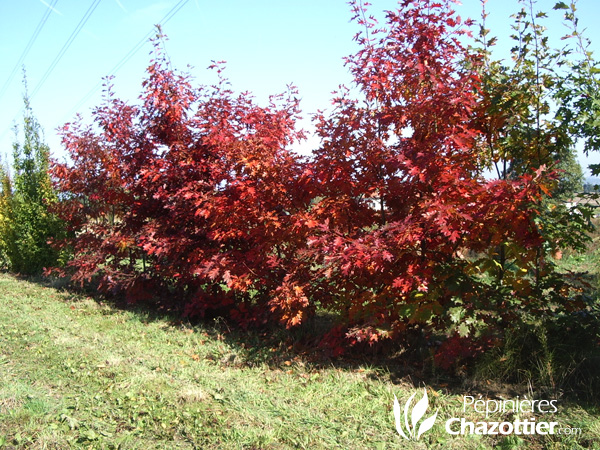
(417, 413)
(426, 425)
(397, 417)
(419, 410)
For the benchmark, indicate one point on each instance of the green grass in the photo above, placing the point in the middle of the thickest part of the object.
(77, 373)
(585, 263)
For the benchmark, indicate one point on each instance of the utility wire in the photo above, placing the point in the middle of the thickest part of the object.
(61, 53)
(114, 70)
(128, 56)
(32, 40)
(66, 46)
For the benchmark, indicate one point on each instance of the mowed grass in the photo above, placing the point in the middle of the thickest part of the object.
(77, 373)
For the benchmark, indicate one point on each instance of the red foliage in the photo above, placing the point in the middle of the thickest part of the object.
(334, 341)
(456, 350)
(195, 190)
(398, 186)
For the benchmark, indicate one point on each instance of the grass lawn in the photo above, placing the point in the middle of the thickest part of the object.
(77, 373)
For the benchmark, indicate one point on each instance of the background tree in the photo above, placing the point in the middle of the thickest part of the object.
(531, 118)
(579, 100)
(5, 213)
(570, 182)
(28, 225)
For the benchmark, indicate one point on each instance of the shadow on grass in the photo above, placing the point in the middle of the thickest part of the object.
(515, 368)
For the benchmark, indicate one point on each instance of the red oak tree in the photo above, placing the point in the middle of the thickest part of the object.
(400, 195)
(193, 191)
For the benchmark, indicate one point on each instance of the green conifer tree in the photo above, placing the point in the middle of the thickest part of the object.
(27, 225)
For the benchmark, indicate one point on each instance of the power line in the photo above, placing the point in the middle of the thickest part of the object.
(172, 12)
(66, 46)
(62, 51)
(28, 47)
(128, 56)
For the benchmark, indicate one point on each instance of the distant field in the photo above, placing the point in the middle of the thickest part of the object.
(76, 373)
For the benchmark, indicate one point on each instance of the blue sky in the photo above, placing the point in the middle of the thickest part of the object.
(267, 44)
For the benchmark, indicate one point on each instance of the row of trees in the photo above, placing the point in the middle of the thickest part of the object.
(194, 194)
